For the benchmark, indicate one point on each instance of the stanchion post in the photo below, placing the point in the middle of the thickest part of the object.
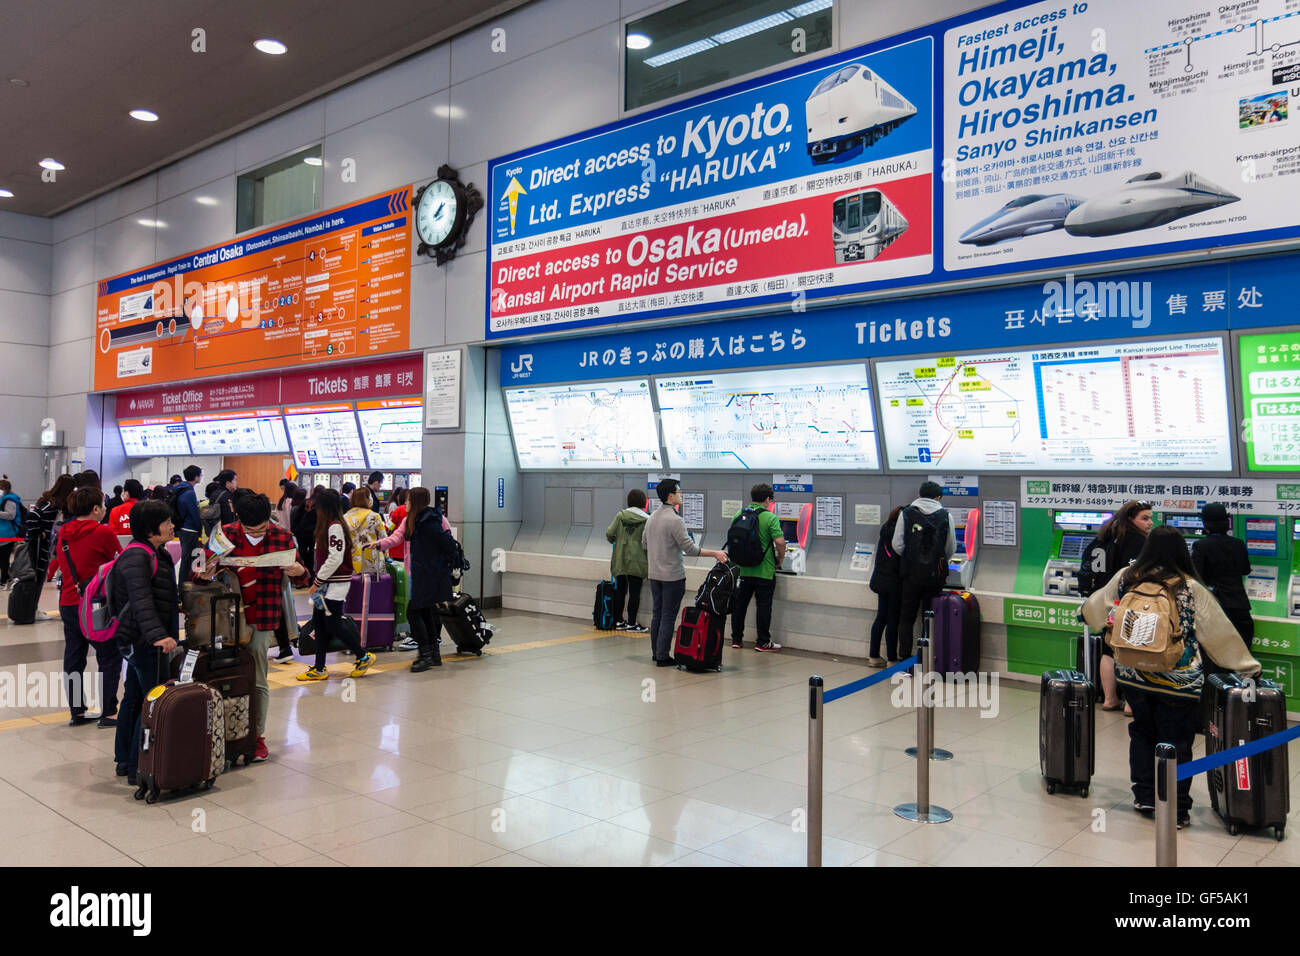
(925, 658)
(922, 811)
(816, 735)
(1166, 805)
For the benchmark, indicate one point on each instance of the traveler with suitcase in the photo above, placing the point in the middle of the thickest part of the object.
(885, 583)
(332, 581)
(756, 544)
(261, 588)
(627, 564)
(666, 541)
(144, 600)
(924, 540)
(84, 544)
(367, 528)
(432, 551)
(1116, 546)
(1164, 623)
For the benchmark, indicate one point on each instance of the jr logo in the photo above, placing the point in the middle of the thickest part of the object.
(522, 364)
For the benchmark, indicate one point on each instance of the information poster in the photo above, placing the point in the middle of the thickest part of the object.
(862, 553)
(1092, 129)
(803, 186)
(1261, 584)
(335, 285)
(999, 520)
(693, 510)
(1105, 407)
(830, 517)
(442, 389)
(866, 514)
(730, 506)
(1270, 400)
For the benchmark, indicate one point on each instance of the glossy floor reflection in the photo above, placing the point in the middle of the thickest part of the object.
(564, 747)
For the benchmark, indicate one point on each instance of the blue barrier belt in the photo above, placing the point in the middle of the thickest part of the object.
(1233, 754)
(843, 691)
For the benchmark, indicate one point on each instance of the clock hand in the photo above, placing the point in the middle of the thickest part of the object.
(438, 212)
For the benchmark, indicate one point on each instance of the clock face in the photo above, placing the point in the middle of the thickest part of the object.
(435, 217)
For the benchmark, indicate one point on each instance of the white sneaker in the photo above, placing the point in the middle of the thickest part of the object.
(767, 647)
(410, 644)
(637, 628)
(621, 626)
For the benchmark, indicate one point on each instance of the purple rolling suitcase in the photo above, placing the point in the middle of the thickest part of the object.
(370, 603)
(955, 634)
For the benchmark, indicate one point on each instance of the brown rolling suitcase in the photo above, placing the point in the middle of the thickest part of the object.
(197, 602)
(182, 739)
(230, 669)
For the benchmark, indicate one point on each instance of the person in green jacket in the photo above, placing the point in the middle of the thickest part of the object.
(628, 565)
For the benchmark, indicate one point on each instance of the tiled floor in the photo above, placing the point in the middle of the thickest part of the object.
(563, 746)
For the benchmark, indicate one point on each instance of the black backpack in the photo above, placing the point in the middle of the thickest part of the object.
(174, 503)
(744, 542)
(925, 537)
(1093, 574)
(719, 587)
(602, 612)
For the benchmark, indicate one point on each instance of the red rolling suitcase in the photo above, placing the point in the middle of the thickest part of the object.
(370, 602)
(699, 640)
(956, 632)
(182, 738)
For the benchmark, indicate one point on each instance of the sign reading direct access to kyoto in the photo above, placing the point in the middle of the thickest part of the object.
(1085, 129)
(332, 286)
(811, 184)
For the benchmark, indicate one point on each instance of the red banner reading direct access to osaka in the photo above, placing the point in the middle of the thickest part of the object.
(816, 183)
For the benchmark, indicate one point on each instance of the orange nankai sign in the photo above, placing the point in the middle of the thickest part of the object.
(335, 285)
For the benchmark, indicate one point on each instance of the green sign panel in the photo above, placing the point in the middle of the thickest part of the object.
(1279, 672)
(1046, 614)
(1038, 487)
(1270, 386)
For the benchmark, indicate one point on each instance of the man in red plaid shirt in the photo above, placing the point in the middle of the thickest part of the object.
(251, 535)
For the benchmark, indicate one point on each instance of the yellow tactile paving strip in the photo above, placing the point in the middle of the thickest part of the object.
(284, 676)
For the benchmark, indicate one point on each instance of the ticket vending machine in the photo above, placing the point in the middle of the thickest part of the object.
(1293, 585)
(1071, 532)
(1190, 526)
(961, 566)
(795, 531)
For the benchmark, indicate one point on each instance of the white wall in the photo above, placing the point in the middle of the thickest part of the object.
(25, 257)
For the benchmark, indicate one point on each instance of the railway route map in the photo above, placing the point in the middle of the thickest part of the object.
(598, 425)
(783, 418)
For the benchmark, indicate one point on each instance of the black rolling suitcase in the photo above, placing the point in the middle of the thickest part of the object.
(1067, 730)
(232, 671)
(602, 613)
(26, 593)
(1087, 661)
(463, 620)
(1253, 791)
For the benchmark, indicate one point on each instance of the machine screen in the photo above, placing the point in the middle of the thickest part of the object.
(1072, 546)
(1186, 524)
(1082, 520)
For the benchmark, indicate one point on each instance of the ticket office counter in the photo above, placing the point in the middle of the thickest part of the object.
(1041, 614)
(561, 551)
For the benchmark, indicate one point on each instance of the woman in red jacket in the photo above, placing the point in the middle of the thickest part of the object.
(82, 545)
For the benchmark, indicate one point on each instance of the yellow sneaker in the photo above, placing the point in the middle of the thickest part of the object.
(363, 665)
(314, 673)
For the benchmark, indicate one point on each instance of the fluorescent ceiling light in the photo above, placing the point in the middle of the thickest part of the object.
(6, 194)
(273, 47)
(205, 200)
(145, 116)
(637, 41)
(152, 223)
(754, 26)
(448, 111)
(48, 163)
(312, 160)
(699, 46)
(812, 6)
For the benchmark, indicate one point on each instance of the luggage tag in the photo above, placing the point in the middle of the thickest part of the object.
(187, 668)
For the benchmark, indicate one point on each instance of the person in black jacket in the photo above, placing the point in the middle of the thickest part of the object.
(432, 549)
(145, 601)
(1117, 545)
(1222, 561)
(885, 582)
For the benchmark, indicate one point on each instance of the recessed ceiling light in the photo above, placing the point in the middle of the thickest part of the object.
(273, 47)
(6, 194)
(205, 200)
(312, 160)
(447, 111)
(18, 81)
(152, 223)
(145, 116)
(48, 163)
(637, 41)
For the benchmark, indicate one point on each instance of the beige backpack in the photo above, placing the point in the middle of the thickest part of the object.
(1147, 634)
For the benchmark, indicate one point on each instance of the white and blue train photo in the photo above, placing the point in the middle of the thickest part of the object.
(850, 108)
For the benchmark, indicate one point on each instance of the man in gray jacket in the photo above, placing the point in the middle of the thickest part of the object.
(925, 539)
(666, 540)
